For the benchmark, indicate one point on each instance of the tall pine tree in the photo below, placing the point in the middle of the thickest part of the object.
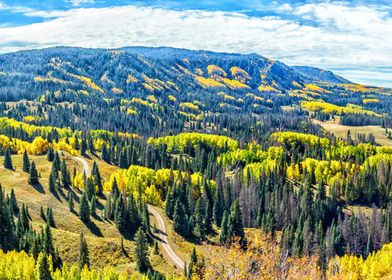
(26, 162)
(84, 212)
(180, 219)
(7, 159)
(84, 255)
(141, 251)
(33, 177)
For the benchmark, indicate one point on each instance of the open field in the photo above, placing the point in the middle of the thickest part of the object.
(341, 131)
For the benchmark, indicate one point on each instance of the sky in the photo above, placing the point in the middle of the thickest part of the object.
(352, 38)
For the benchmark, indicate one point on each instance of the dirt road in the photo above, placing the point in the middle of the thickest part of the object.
(174, 258)
(86, 167)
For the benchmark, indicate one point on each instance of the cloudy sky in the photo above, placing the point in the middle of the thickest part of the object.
(352, 38)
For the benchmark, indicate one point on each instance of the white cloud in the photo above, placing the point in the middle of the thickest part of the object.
(339, 36)
(16, 9)
(285, 8)
(77, 3)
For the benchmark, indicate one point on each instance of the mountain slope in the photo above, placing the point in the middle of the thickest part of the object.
(312, 74)
(137, 88)
(139, 69)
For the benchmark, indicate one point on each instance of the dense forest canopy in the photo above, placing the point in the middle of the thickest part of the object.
(222, 143)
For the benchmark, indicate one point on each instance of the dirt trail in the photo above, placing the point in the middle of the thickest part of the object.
(86, 167)
(178, 262)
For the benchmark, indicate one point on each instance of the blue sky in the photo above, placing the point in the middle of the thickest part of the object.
(352, 38)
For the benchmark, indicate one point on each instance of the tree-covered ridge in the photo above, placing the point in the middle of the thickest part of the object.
(52, 74)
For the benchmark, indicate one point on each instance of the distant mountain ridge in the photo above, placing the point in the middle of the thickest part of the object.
(310, 74)
(153, 70)
(313, 74)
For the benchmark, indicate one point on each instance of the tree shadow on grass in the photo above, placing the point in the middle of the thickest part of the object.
(87, 156)
(128, 235)
(38, 187)
(97, 217)
(156, 237)
(56, 195)
(94, 229)
(126, 254)
(158, 231)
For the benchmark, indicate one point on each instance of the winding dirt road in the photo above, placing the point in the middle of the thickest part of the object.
(86, 167)
(161, 233)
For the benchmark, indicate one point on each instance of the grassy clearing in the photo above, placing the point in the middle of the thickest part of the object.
(104, 240)
(341, 131)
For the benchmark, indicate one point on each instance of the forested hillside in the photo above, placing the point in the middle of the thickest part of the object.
(142, 163)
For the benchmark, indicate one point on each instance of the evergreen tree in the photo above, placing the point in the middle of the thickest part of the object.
(84, 255)
(120, 216)
(50, 218)
(71, 201)
(13, 202)
(170, 203)
(91, 146)
(48, 247)
(235, 225)
(35, 249)
(52, 184)
(50, 154)
(89, 188)
(43, 267)
(76, 145)
(200, 213)
(115, 192)
(83, 147)
(123, 163)
(141, 251)
(33, 177)
(26, 162)
(96, 176)
(224, 228)
(64, 175)
(104, 152)
(56, 162)
(145, 219)
(219, 206)
(180, 219)
(108, 210)
(208, 218)
(192, 264)
(84, 212)
(93, 205)
(8, 159)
